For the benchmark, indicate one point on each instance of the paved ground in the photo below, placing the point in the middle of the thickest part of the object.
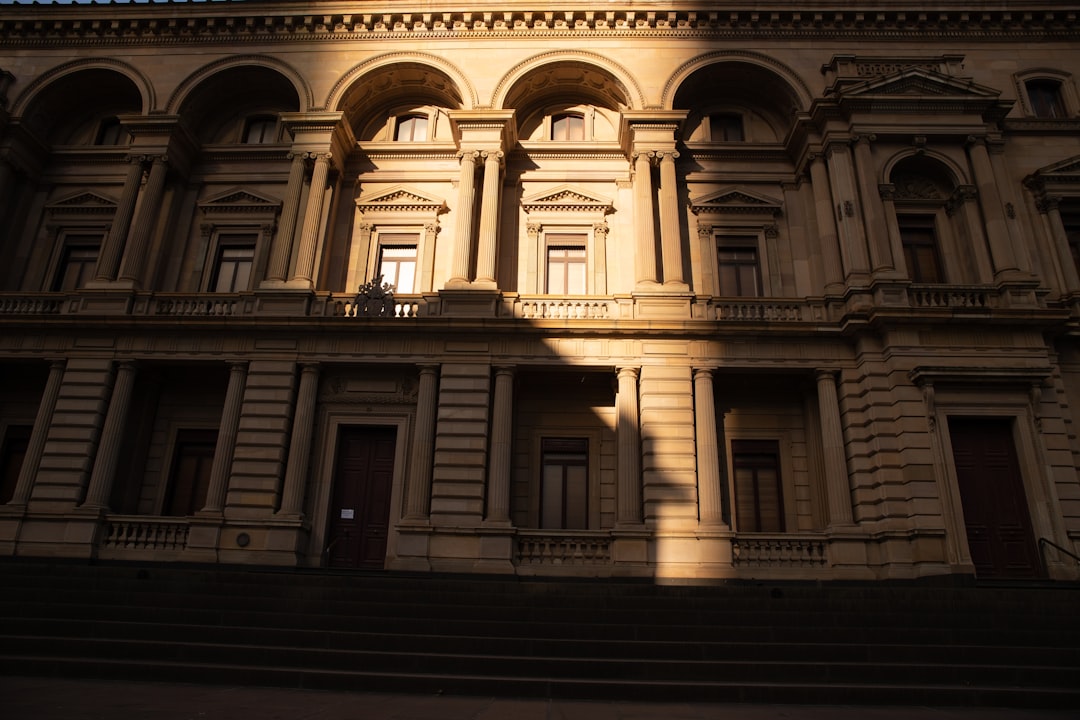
(53, 699)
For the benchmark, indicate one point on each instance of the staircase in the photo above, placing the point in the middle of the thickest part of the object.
(892, 644)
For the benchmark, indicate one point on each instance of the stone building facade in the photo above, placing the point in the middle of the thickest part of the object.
(662, 290)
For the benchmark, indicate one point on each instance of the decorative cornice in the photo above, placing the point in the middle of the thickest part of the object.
(179, 23)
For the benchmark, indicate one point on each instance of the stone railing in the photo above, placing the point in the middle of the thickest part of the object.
(402, 308)
(555, 548)
(195, 306)
(128, 532)
(757, 310)
(951, 297)
(779, 551)
(543, 307)
(45, 304)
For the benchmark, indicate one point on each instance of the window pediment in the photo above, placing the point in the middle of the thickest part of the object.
(400, 200)
(82, 203)
(732, 201)
(915, 81)
(239, 201)
(566, 199)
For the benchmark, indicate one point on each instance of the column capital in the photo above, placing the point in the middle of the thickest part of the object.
(868, 138)
(488, 154)
(703, 372)
(468, 155)
(825, 374)
(316, 156)
(628, 371)
(505, 369)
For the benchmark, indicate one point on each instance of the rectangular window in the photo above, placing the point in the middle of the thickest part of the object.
(564, 484)
(397, 261)
(726, 127)
(260, 129)
(759, 501)
(1045, 97)
(411, 128)
(739, 267)
(78, 260)
(569, 127)
(919, 239)
(234, 262)
(566, 264)
(193, 459)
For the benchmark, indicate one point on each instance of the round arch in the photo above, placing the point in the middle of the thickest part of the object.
(627, 85)
(800, 93)
(41, 83)
(956, 174)
(462, 89)
(194, 80)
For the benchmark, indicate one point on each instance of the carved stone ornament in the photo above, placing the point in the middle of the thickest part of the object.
(917, 187)
(375, 299)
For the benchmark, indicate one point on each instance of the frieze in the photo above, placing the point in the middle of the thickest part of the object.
(149, 24)
(344, 389)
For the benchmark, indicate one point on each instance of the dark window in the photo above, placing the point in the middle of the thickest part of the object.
(232, 268)
(1045, 97)
(564, 484)
(260, 129)
(726, 127)
(919, 240)
(568, 126)
(78, 260)
(110, 132)
(411, 128)
(566, 264)
(12, 453)
(397, 261)
(759, 501)
(193, 459)
(737, 261)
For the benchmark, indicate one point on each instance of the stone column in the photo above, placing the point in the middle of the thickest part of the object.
(25, 484)
(109, 259)
(112, 435)
(848, 220)
(309, 236)
(462, 259)
(826, 224)
(644, 237)
(600, 233)
(418, 498)
(997, 232)
(292, 494)
(149, 212)
(837, 484)
(281, 251)
(873, 211)
(226, 440)
(710, 504)
(670, 236)
(1060, 238)
(628, 500)
(489, 218)
(502, 423)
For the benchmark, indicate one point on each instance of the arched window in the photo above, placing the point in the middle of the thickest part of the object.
(568, 127)
(411, 128)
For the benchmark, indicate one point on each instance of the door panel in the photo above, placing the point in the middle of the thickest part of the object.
(996, 517)
(360, 507)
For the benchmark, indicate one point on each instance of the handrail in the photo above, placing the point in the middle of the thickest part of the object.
(1043, 542)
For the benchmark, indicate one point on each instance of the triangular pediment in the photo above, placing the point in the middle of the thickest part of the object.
(83, 202)
(239, 200)
(400, 199)
(736, 200)
(919, 82)
(566, 198)
(1058, 180)
(1064, 169)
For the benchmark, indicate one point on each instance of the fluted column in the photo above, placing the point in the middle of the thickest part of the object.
(670, 236)
(502, 422)
(226, 440)
(418, 499)
(881, 257)
(837, 484)
(628, 500)
(710, 504)
(826, 223)
(292, 494)
(109, 258)
(149, 212)
(309, 237)
(112, 435)
(489, 218)
(644, 236)
(462, 258)
(25, 484)
(997, 233)
(1061, 244)
(278, 269)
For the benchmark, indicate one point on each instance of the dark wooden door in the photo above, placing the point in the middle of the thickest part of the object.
(360, 508)
(193, 460)
(996, 514)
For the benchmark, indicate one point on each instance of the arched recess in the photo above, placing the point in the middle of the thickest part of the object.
(66, 105)
(941, 166)
(388, 84)
(555, 74)
(218, 100)
(764, 93)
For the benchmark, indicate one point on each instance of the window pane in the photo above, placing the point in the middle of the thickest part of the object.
(1045, 96)
(568, 127)
(411, 128)
(260, 130)
(726, 127)
(234, 264)
(920, 249)
(759, 502)
(77, 263)
(738, 269)
(397, 265)
(564, 484)
(566, 264)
